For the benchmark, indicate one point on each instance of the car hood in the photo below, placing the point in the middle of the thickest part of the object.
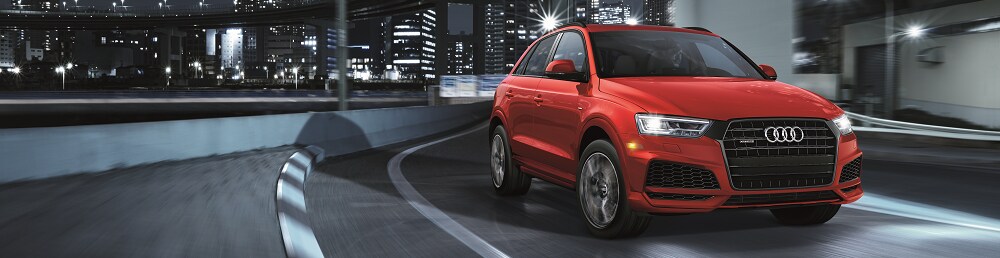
(719, 98)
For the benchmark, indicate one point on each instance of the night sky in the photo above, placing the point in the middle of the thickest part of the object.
(460, 15)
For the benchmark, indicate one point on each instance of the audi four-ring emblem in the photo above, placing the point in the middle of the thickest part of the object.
(784, 134)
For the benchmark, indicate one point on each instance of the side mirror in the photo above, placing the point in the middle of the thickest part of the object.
(769, 71)
(564, 69)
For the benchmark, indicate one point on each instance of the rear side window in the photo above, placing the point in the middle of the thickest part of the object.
(535, 65)
(571, 47)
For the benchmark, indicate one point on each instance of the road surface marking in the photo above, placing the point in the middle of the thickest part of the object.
(432, 213)
(897, 207)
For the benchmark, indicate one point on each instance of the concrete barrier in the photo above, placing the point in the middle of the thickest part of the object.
(33, 153)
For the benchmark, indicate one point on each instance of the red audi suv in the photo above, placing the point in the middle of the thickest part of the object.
(648, 120)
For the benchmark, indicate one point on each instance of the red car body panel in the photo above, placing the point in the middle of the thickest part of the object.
(547, 118)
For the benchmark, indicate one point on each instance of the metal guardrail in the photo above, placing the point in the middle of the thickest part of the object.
(892, 126)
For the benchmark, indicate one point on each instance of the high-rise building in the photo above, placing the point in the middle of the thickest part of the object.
(521, 28)
(268, 50)
(658, 12)
(613, 12)
(56, 46)
(494, 33)
(581, 10)
(231, 51)
(460, 54)
(367, 49)
(8, 40)
(199, 59)
(412, 46)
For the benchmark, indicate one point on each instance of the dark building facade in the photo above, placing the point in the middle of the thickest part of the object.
(657, 12)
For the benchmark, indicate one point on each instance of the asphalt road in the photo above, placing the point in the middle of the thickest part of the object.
(433, 198)
(910, 210)
(222, 206)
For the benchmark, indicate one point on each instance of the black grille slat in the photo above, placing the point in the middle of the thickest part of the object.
(850, 189)
(755, 163)
(851, 171)
(678, 197)
(674, 175)
(757, 199)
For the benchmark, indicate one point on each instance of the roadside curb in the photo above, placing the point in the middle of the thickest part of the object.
(290, 203)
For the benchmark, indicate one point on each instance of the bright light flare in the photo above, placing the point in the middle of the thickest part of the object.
(631, 21)
(915, 32)
(549, 23)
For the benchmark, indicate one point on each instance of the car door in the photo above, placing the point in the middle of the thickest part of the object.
(558, 110)
(520, 95)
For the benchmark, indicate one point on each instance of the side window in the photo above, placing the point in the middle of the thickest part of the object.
(571, 47)
(539, 57)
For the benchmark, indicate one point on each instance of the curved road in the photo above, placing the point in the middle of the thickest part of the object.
(357, 209)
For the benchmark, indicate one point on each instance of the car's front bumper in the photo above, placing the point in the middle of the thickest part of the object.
(707, 153)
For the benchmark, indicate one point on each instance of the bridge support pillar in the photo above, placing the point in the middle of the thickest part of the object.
(342, 58)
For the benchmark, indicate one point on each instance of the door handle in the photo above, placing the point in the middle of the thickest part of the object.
(509, 94)
(539, 98)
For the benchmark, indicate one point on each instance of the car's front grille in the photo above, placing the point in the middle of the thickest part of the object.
(678, 197)
(758, 199)
(675, 175)
(850, 189)
(755, 162)
(851, 171)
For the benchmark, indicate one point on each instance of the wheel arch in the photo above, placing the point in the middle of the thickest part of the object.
(496, 119)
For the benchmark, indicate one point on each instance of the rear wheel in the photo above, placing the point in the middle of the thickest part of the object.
(809, 215)
(601, 190)
(507, 178)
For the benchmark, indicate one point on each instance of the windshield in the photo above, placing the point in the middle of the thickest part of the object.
(664, 53)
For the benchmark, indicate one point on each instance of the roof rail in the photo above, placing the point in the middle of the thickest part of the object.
(698, 29)
(571, 24)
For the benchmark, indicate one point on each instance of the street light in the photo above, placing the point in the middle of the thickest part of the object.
(62, 70)
(168, 71)
(197, 68)
(631, 21)
(114, 6)
(912, 32)
(295, 70)
(16, 70)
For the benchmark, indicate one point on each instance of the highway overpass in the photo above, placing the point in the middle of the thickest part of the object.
(220, 17)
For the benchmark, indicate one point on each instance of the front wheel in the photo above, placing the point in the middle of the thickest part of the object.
(809, 215)
(507, 178)
(601, 190)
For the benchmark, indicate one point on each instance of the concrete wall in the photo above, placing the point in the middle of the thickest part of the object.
(762, 29)
(32, 153)
(966, 85)
(825, 85)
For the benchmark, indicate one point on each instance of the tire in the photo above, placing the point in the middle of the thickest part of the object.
(803, 216)
(601, 191)
(507, 178)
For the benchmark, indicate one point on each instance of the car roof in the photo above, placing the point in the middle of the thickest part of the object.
(621, 27)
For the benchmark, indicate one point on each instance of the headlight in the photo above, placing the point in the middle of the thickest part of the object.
(843, 124)
(650, 124)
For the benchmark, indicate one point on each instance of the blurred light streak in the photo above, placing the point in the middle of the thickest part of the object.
(898, 207)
